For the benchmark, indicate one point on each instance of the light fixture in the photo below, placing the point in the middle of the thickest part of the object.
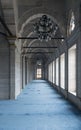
(39, 62)
(45, 28)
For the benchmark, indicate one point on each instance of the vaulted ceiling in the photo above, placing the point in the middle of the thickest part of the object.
(20, 15)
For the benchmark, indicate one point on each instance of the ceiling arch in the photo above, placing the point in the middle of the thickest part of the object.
(25, 29)
(29, 32)
(34, 13)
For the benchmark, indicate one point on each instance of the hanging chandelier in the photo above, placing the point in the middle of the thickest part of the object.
(45, 28)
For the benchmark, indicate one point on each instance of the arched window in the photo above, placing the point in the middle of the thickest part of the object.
(72, 22)
(71, 25)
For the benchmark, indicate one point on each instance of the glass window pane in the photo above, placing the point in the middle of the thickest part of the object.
(72, 69)
(39, 73)
(57, 71)
(53, 72)
(62, 70)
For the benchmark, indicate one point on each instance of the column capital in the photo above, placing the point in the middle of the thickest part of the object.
(12, 46)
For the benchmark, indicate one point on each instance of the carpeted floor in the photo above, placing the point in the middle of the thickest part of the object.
(39, 107)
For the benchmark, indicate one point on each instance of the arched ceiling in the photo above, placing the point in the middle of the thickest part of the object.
(55, 11)
(26, 13)
(27, 31)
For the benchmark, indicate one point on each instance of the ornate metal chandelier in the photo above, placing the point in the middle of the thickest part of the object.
(45, 28)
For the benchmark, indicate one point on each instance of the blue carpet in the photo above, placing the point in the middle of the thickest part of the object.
(39, 107)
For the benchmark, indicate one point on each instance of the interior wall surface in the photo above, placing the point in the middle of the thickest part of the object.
(4, 68)
(4, 62)
(30, 71)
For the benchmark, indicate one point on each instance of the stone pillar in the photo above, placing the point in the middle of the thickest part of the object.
(30, 71)
(12, 71)
(4, 68)
(46, 72)
(43, 71)
(4, 62)
(66, 69)
(23, 67)
(79, 67)
(21, 72)
(25, 70)
(17, 72)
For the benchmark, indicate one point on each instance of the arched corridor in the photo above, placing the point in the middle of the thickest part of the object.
(40, 64)
(38, 107)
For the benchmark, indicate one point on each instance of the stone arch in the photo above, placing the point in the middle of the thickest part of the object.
(37, 12)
